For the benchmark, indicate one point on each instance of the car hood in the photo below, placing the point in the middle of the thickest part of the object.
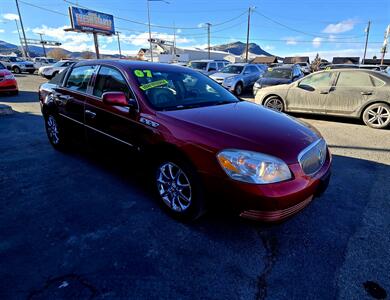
(4, 72)
(223, 75)
(273, 81)
(243, 125)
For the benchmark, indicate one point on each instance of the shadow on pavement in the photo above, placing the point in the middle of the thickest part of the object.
(84, 224)
(22, 97)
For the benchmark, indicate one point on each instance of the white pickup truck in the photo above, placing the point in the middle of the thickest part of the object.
(43, 61)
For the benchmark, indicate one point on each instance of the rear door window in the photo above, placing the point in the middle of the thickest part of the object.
(354, 79)
(317, 80)
(111, 80)
(212, 66)
(79, 78)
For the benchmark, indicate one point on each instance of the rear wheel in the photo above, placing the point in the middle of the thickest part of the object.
(179, 189)
(238, 89)
(274, 103)
(55, 132)
(377, 115)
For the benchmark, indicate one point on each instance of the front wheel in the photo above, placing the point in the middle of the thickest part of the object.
(16, 70)
(238, 89)
(274, 103)
(377, 115)
(55, 132)
(179, 189)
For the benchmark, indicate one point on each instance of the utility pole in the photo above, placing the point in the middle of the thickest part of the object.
(365, 47)
(119, 45)
(384, 48)
(150, 33)
(208, 39)
(21, 25)
(247, 34)
(20, 39)
(96, 42)
(174, 39)
(43, 44)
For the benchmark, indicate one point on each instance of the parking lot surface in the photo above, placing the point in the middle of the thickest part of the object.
(85, 225)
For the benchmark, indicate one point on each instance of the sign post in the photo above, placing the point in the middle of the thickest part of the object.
(90, 21)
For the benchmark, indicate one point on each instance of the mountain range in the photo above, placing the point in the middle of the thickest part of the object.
(236, 48)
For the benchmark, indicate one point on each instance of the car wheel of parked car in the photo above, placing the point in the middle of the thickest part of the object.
(238, 89)
(16, 70)
(377, 115)
(179, 189)
(54, 132)
(274, 103)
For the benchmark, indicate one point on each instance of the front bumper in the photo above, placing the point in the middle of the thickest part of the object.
(276, 201)
(8, 86)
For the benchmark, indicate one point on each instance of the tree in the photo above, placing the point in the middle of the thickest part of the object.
(315, 64)
(87, 55)
(58, 54)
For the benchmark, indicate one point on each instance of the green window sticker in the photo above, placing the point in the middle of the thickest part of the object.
(153, 84)
(142, 73)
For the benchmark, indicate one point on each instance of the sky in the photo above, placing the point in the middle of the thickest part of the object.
(281, 27)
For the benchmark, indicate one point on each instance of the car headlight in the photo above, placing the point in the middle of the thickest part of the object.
(257, 85)
(9, 77)
(253, 167)
(229, 80)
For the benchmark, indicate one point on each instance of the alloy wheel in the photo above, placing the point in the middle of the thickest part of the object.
(52, 130)
(274, 103)
(174, 187)
(378, 116)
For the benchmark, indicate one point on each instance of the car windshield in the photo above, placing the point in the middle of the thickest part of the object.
(302, 64)
(200, 65)
(51, 61)
(278, 73)
(59, 64)
(232, 69)
(15, 59)
(172, 90)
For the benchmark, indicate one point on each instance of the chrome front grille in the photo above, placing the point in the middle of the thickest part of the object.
(313, 157)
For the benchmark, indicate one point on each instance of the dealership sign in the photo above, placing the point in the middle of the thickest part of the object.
(86, 20)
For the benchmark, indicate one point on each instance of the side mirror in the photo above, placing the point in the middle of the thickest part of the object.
(115, 99)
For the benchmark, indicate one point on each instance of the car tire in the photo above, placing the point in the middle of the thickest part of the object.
(16, 70)
(55, 132)
(179, 189)
(238, 89)
(377, 115)
(274, 103)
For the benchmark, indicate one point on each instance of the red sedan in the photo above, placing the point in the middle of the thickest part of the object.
(8, 82)
(201, 139)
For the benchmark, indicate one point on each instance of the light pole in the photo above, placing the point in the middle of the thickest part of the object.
(43, 44)
(21, 25)
(119, 45)
(150, 31)
(208, 39)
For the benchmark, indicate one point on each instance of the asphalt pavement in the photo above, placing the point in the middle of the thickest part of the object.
(85, 225)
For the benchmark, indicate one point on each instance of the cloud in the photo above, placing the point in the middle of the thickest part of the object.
(269, 48)
(291, 40)
(178, 30)
(2, 30)
(340, 27)
(142, 38)
(317, 42)
(329, 54)
(332, 38)
(10, 17)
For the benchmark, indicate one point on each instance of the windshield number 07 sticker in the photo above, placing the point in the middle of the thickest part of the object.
(142, 73)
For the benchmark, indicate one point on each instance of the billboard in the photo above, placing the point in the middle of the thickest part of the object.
(86, 20)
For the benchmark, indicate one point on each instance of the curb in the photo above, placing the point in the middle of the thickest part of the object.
(5, 110)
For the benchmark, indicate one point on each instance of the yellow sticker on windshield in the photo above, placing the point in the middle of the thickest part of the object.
(153, 84)
(327, 68)
(142, 73)
(270, 69)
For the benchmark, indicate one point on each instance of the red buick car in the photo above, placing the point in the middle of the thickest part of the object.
(8, 82)
(201, 138)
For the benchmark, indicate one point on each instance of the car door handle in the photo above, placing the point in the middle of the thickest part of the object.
(366, 93)
(90, 114)
(324, 92)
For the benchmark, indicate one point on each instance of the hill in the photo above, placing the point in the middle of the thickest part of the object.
(239, 48)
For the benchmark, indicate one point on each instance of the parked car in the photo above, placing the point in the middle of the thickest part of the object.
(199, 138)
(207, 66)
(341, 66)
(51, 71)
(355, 93)
(43, 61)
(323, 65)
(238, 77)
(305, 67)
(17, 64)
(279, 75)
(8, 82)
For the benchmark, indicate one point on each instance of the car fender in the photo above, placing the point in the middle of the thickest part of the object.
(360, 111)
